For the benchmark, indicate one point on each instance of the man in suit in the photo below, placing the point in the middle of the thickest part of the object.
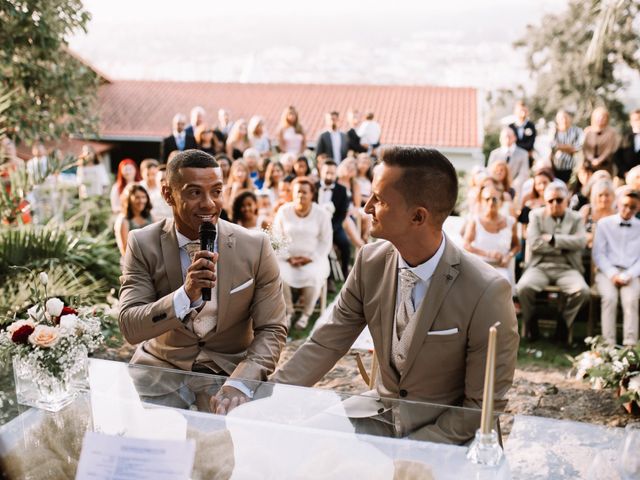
(428, 305)
(332, 141)
(524, 129)
(241, 331)
(197, 118)
(616, 253)
(328, 191)
(555, 238)
(628, 155)
(179, 139)
(516, 158)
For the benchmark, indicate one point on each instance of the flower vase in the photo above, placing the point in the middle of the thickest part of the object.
(39, 388)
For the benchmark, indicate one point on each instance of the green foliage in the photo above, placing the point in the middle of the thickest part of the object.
(53, 93)
(575, 70)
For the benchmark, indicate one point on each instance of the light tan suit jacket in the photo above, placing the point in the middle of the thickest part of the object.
(464, 293)
(250, 330)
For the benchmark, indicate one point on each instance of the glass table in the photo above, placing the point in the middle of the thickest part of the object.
(284, 432)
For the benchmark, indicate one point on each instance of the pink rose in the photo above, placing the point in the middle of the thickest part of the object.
(44, 336)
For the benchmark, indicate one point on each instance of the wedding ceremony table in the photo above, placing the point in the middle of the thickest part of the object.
(284, 432)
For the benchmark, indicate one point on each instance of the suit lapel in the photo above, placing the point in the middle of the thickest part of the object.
(441, 282)
(171, 255)
(387, 303)
(224, 272)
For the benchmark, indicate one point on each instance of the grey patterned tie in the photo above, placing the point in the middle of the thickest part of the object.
(203, 323)
(408, 280)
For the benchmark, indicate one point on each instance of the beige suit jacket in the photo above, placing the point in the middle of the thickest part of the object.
(569, 237)
(466, 294)
(250, 329)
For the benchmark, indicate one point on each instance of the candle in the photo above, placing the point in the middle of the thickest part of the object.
(489, 380)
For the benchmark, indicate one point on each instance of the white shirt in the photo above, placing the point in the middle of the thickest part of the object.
(636, 142)
(424, 271)
(336, 145)
(325, 194)
(369, 132)
(616, 249)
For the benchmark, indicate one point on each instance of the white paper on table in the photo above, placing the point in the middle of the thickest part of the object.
(104, 457)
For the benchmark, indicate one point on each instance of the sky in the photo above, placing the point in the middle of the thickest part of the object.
(443, 42)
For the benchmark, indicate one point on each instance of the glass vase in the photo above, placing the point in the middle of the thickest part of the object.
(38, 388)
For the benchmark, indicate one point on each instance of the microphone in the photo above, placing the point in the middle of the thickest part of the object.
(208, 233)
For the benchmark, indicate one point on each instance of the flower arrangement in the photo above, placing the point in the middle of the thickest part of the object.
(279, 242)
(610, 366)
(51, 345)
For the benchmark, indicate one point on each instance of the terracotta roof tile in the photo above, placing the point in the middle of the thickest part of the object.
(418, 115)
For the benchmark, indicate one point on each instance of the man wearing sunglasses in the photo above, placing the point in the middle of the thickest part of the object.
(555, 238)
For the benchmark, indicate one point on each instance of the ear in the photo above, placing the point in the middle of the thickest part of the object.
(166, 194)
(420, 216)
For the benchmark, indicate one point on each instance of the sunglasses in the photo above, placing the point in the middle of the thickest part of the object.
(555, 200)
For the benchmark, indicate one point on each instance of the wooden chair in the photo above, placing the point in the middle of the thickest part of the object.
(550, 294)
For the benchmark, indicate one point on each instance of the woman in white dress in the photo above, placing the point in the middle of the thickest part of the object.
(491, 235)
(291, 136)
(305, 264)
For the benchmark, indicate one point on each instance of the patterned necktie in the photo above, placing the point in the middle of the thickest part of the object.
(202, 323)
(408, 280)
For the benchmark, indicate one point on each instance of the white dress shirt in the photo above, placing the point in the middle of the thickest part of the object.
(424, 271)
(336, 145)
(616, 249)
(325, 194)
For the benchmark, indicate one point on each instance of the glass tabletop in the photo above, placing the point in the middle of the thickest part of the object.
(283, 432)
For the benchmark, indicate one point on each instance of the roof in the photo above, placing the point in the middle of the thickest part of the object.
(408, 115)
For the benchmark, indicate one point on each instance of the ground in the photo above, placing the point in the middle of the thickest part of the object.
(540, 388)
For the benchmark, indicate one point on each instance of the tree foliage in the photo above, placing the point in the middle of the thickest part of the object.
(576, 56)
(52, 92)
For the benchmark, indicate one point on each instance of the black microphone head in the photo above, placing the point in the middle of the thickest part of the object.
(208, 229)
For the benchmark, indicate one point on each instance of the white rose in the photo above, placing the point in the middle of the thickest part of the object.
(44, 279)
(69, 322)
(634, 384)
(35, 312)
(54, 307)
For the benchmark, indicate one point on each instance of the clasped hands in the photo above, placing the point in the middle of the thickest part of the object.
(299, 261)
(502, 260)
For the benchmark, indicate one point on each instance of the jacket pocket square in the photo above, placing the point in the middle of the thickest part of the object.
(450, 331)
(246, 284)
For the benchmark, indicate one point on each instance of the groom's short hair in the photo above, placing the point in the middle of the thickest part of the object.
(188, 159)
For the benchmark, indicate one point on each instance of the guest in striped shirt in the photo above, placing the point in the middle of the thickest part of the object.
(567, 141)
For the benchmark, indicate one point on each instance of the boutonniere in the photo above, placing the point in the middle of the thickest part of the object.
(528, 131)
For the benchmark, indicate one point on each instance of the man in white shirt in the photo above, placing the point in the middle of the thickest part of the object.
(333, 142)
(517, 159)
(369, 132)
(616, 253)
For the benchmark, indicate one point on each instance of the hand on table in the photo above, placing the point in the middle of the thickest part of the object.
(226, 400)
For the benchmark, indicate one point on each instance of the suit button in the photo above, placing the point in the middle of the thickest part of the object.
(403, 393)
(201, 343)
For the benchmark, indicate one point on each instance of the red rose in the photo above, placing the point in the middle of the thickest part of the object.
(68, 311)
(21, 335)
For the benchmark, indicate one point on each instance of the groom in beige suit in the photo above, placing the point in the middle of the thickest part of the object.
(241, 331)
(428, 305)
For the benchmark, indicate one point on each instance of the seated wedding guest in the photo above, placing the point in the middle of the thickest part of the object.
(161, 208)
(515, 157)
(301, 168)
(628, 155)
(364, 176)
(616, 253)
(179, 139)
(567, 141)
(334, 196)
(258, 136)
(477, 176)
(305, 265)
(579, 197)
(287, 160)
(238, 139)
(149, 170)
(524, 130)
(600, 141)
(555, 238)
(501, 174)
(93, 179)
(491, 236)
(238, 182)
(266, 209)
(273, 176)
(251, 157)
(346, 173)
(241, 332)
(225, 166)
(136, 213)
(127, 173)
(285, 195)
(245, 212)
(601, 205)
(535, 199)
(407, 288)
(633, 178)
(206, 140)
(291, 136)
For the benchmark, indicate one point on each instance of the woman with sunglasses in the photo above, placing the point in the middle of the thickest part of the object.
(491, 235)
